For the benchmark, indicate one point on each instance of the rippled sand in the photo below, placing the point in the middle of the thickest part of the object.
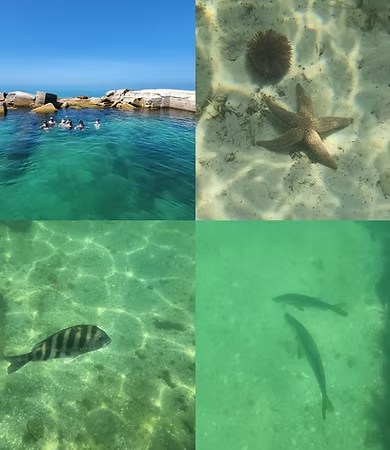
(135, 281)
(340, 57)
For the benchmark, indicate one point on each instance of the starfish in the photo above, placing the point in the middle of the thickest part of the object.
(306, 127)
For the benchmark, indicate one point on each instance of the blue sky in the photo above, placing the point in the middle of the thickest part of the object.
(89, 47)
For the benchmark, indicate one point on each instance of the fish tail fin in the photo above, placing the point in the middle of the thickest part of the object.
(326, 405)
(338, 308)
(16, 362)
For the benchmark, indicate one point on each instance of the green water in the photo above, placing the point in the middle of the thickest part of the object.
(139, 165)
(135, 280)
(253, 392)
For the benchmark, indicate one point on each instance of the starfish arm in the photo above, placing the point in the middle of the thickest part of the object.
(323, 124)
(285, 140)
(318, 149)
(287, 117)
(305, 105)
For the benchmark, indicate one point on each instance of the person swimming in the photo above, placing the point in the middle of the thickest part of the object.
(97, 124)
(45, 125)
(69, 125)
(62, 123)
(80, 126)
(51, 122)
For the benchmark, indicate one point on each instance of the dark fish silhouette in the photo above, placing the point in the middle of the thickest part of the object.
(301, 302)
(313, 355)
(71, 342)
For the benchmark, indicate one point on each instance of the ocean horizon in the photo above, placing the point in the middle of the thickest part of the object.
(89, 92)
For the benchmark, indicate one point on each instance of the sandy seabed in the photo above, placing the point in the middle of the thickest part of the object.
(135, 280)
(340, 57)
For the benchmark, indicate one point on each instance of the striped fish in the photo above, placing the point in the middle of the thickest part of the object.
(71, 342)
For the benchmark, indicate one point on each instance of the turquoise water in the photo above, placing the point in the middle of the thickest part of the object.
(253, 391)
(135, 280)
(138, 165)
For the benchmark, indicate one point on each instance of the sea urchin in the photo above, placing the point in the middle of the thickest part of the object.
(270, 54)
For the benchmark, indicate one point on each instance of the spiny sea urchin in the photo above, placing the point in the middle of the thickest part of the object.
(270, 54)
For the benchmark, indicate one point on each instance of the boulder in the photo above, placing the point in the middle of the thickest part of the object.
(49, 108)
(19, 98)
(96, 100)
(41, 98)
(85, 104)
(183, 100)
(161, 98)
(125, 106)
(2, 96)
(114, 96)
(3, 109)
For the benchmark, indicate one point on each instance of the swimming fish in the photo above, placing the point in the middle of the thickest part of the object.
(313, 355)
(301, 301)
(70, 342)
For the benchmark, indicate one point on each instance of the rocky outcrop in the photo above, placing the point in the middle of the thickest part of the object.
(3, 109)
(151, 98)
(122, 99)
(49, 108)
(125, 106)
(41, 98)
(19, 99)
(114, 96)
(2, 96)
(79, 103)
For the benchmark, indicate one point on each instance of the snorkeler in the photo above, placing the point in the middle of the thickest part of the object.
(51, 122)
(45, 125)
(97, 124)
(69, 125)
(62, 123)
(80, 126)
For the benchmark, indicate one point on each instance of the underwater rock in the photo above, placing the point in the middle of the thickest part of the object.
(19, 226)
(126, 106)
(35, 429)
(77, 103)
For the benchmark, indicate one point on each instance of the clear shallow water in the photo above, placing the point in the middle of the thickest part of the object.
(138, 165)
(135, 280)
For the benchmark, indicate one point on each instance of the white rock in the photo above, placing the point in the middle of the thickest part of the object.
(162, 98)
(19, 98)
